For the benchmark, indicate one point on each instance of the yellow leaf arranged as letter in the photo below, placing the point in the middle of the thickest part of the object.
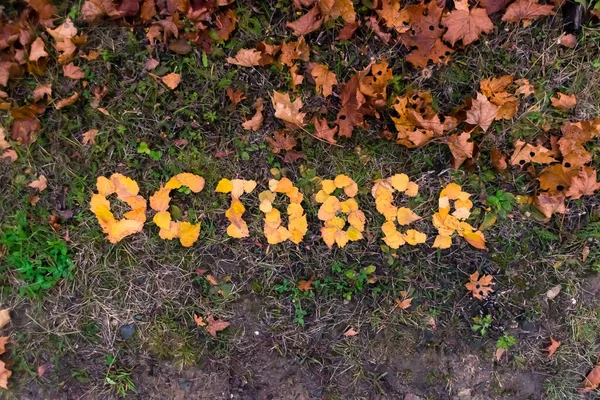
(297, 224)
(237, 187)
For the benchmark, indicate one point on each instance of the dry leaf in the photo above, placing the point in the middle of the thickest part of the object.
(404, 302)
(40, 184)
(585, 252)
(215, 325)
(246, 58)
(4, 317)
(480, 287)
(235, 96)
(286, 110)
(351, 332)
(172, 80)
(482, 112)
(568, 40)
(553, 292)
(37, 50)
(306, 286)
(89, 137)
(3, 341)
(211, 279)
(324, 79)
(255, 123)
(199, 320)
(66, 102)
(466, 25)
(592, 380)
(309, 22)
(72, 71)
(461, 148)
(554, 344)
(564, 102)
(499, 353)
(4, 375)
(526, 11)
(323, 131)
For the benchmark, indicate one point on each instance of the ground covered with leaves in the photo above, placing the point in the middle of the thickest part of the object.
(307, 199)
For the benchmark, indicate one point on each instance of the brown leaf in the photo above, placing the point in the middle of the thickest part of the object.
(281, 141)
(584, 184)
(255, 123)
(292, 51)
(585, 252)
(297, 78)
(291, 156)
(324, 79)
(89, 137)
(550, 203)
(180, 46)
(4, 317)
(199, 320)
(42, 369)
(235, 96)
(42, 91)
(323, 131)
(63, 32)
(482, 112)
(246, 58)
(554, 344)
(172, 80)
(592, 380)
(568, 40)
(526, 11)
(525, 153)
(40, 184)
(351, 332)
(373, 24)
(66, 102)
(306, 286)
(4, 375)
(480, 287)
(25, 124)
(498, 160)
(151, 63)
(563, 102)
(493, 6)
(309, 22)
(148, 10)
(3, 341)
(404, 302)
(286, 110)
(37, 50)
(525, 88)
(348, 30)
(215, 325)
(466, 25)
(93, 10)
(72, 71)
(499, 353)
(461, 148)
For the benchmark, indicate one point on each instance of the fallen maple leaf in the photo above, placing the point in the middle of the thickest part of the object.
(351, 332)
(461, 148)
(348, 30)
(525, 153)
(42, 91)
(323, 131)
(246, 58)
(498, 160)
(552, 347)
(40, 184)
(215, 325)
(526, 11)
(525, 88)
(309, 22)
(404, 302)
(3, 341)
(480, 287)
(331, 9)
(172, 80)
(37, 50)
(306, 286)
(592, 380)
(235, 96)
(584, 184)
(482, 112)
(4, 375)
(72, 71)
(281, 141)
(466, 25)
(286, 110)
(4, 317)
(563, 102)
(89, 137)
(324, 79)
(550, 203)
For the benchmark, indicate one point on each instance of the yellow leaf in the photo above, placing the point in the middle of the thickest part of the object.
(328, 186)
(162, 219)
(105, 186)
(341, 238)
(475, 239)
(399, 182)
(353, 234)
(124, 186)
(321, 196)
(341, 181)
(357, 220)
(414, 237)
(452, 191)
(224, 186)
(442, 242)
(412, 189)
(328, 235)
(406, 216)
(188, 233)
(194, 182)
(123, 228)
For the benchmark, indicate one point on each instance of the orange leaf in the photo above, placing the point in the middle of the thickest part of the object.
(40, 184)
(199, 320)
(584, 184)
(255, 123)
(568, 40)
(563, 102)
(211, 279)
(405, 302)
(498, 160)
(4, 375)
(323, 131)
(3, 341)
(324, 79)
(37, 50)
(351, 332)
(554, 344)
(306, 286)
(526, 11)
(246, 58)
(66, 102)
(466, 25)
(89, 137)
(235, 96)
(172, 80)
(286, 110)
(480, 287)
(461, 148)
(592, 380)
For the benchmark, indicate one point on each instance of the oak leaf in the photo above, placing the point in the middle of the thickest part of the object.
(552, 347)
(466, 25)
(480, 287)
(324, 79)
(323, 131)
(286, 110)
(526, 11)
(564, 102)
(172, 80)
(309, 22)
(482, 112)
(39, 184)
(215, 325)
